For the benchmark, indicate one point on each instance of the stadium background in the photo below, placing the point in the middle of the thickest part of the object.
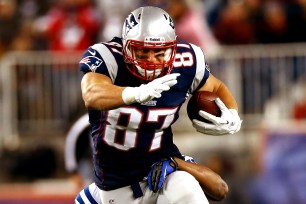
(256, 47)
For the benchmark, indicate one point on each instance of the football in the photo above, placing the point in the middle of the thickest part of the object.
(202, 100)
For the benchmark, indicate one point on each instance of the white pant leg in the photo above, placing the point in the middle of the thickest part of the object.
(181, 188)
(89, 195)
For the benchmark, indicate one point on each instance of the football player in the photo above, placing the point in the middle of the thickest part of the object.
(134, 87)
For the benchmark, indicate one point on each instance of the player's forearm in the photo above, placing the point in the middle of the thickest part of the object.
(212, 184)
(227, 97)
(102, 99)
(99, 93)
(217, 86)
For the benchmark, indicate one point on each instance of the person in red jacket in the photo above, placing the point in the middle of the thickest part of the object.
(70, 25)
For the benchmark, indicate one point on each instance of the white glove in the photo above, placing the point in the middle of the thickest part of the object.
(147, 92)
(228, 123)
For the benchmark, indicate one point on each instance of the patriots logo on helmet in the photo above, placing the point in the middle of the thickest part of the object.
(92, 62)
(130, 22)
(171, 22)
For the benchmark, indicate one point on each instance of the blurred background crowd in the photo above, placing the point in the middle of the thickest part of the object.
(262, 165)
(76, 24)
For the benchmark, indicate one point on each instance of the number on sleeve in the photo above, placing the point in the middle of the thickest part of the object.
(184, 59)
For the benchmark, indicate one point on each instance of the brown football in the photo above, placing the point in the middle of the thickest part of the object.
(202, 100)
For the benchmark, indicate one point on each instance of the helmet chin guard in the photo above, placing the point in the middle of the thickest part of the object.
(149, 28)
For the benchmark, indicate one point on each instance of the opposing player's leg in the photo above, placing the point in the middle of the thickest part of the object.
(182, 188)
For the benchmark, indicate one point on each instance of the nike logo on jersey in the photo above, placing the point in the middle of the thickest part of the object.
(149, 103)
(92, 52)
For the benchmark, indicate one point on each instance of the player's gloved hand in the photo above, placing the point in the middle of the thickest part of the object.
(148, 91)
(228, 123)
(158, 173)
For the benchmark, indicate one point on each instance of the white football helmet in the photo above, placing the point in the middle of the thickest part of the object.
(149, 28)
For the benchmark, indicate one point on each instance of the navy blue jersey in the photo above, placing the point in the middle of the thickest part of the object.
(129, 139)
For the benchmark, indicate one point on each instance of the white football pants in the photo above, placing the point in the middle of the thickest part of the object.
(180, 187)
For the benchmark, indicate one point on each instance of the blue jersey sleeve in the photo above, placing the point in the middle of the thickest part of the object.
(92, 62)
(104, 58)
(190, 62)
